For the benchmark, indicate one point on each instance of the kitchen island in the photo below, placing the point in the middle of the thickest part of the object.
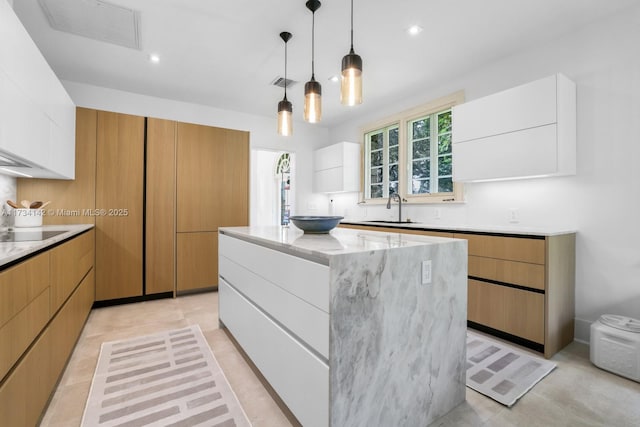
(352, 328)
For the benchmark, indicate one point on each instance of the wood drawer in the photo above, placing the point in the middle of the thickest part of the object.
(513, 272)
(26, 391)
(510, 310)
(70, 262)
(21, 284)
(297, 375)
(507, 248)
(17, 334)
(305, 279)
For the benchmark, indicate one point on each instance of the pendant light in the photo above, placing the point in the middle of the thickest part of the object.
(285, 109)
(351, 86)
(312, 89)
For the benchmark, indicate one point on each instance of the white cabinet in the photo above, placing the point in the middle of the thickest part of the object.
(37, 117)
(336, 168)
(526, 131)
(277, 307)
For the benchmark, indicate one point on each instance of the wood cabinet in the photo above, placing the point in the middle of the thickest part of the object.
(212, 191)
(160, 218)
(336, 168)
(119, 203)
(522, 288)
(33, 375)
(24, 307)
(526, 131)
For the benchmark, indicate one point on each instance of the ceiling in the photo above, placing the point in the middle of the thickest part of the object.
(226, 53)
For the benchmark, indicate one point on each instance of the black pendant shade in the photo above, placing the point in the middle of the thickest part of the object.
(351, 80)
(312, 89)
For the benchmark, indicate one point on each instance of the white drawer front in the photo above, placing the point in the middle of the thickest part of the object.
(300, 378)
(304, 320)
(305, 279)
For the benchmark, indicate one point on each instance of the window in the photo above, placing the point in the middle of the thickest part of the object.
(429, 154)
(412, 155)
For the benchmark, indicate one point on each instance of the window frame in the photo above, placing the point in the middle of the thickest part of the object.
(402, 120)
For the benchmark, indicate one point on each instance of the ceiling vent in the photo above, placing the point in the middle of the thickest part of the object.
(95, 19)
(280, 82)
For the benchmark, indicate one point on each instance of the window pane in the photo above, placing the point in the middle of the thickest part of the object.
(393, 187)
(444, 143)
(376, 175)
(420, 186)
(376, 141)
(376, 191)
(421, 169)
(393, 154)
(421, 149)
(393, 137)
(393, 173)
(420, 128)
(444, 122)
(445, 185)
(376, 158)
(444, 165)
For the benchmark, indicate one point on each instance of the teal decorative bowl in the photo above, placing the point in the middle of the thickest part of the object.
(316, 224)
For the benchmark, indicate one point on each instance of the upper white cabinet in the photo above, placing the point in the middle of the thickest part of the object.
(527, 131)
(336, 168)
(37, 117)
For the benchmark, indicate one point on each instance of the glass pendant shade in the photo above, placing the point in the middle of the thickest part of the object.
(351, 85)
(285, 126)
(312, 101)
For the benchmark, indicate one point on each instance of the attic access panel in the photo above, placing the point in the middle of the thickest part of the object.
(95, 19)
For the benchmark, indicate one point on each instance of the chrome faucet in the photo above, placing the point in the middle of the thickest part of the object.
(396, 196)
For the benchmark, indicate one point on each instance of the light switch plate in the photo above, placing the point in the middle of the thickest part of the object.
(426, 272)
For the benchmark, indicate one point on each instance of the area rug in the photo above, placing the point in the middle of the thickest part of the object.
(501, 372)
(169, 379)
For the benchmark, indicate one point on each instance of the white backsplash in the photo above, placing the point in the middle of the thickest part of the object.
(8, 189)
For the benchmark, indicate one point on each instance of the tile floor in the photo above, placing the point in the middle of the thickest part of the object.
(575, 394)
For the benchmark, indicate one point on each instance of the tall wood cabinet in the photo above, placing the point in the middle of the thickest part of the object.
(212, 192)
(119, 205)
(160, 248)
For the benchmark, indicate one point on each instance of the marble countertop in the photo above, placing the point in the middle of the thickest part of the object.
(14, 251)
(526, 231)
(320, 247)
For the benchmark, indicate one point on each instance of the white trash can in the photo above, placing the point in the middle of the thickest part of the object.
(615, 345)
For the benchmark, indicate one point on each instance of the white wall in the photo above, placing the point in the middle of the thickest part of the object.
(263, 134)
(602, 201)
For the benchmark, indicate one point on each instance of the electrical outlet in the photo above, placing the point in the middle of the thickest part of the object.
(436, 214)
(426, 272)
(514, 215)
(312, 206)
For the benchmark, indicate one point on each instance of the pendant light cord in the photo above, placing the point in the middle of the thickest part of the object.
(285, 69)
(351, 25)
(313, 44)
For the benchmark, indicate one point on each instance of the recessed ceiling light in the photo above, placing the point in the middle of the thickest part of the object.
(414, 30)
(154, 58)
(334, 79)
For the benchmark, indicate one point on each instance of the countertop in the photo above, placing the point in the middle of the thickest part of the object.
(14, 251)
(321, 247)
(491, 229)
